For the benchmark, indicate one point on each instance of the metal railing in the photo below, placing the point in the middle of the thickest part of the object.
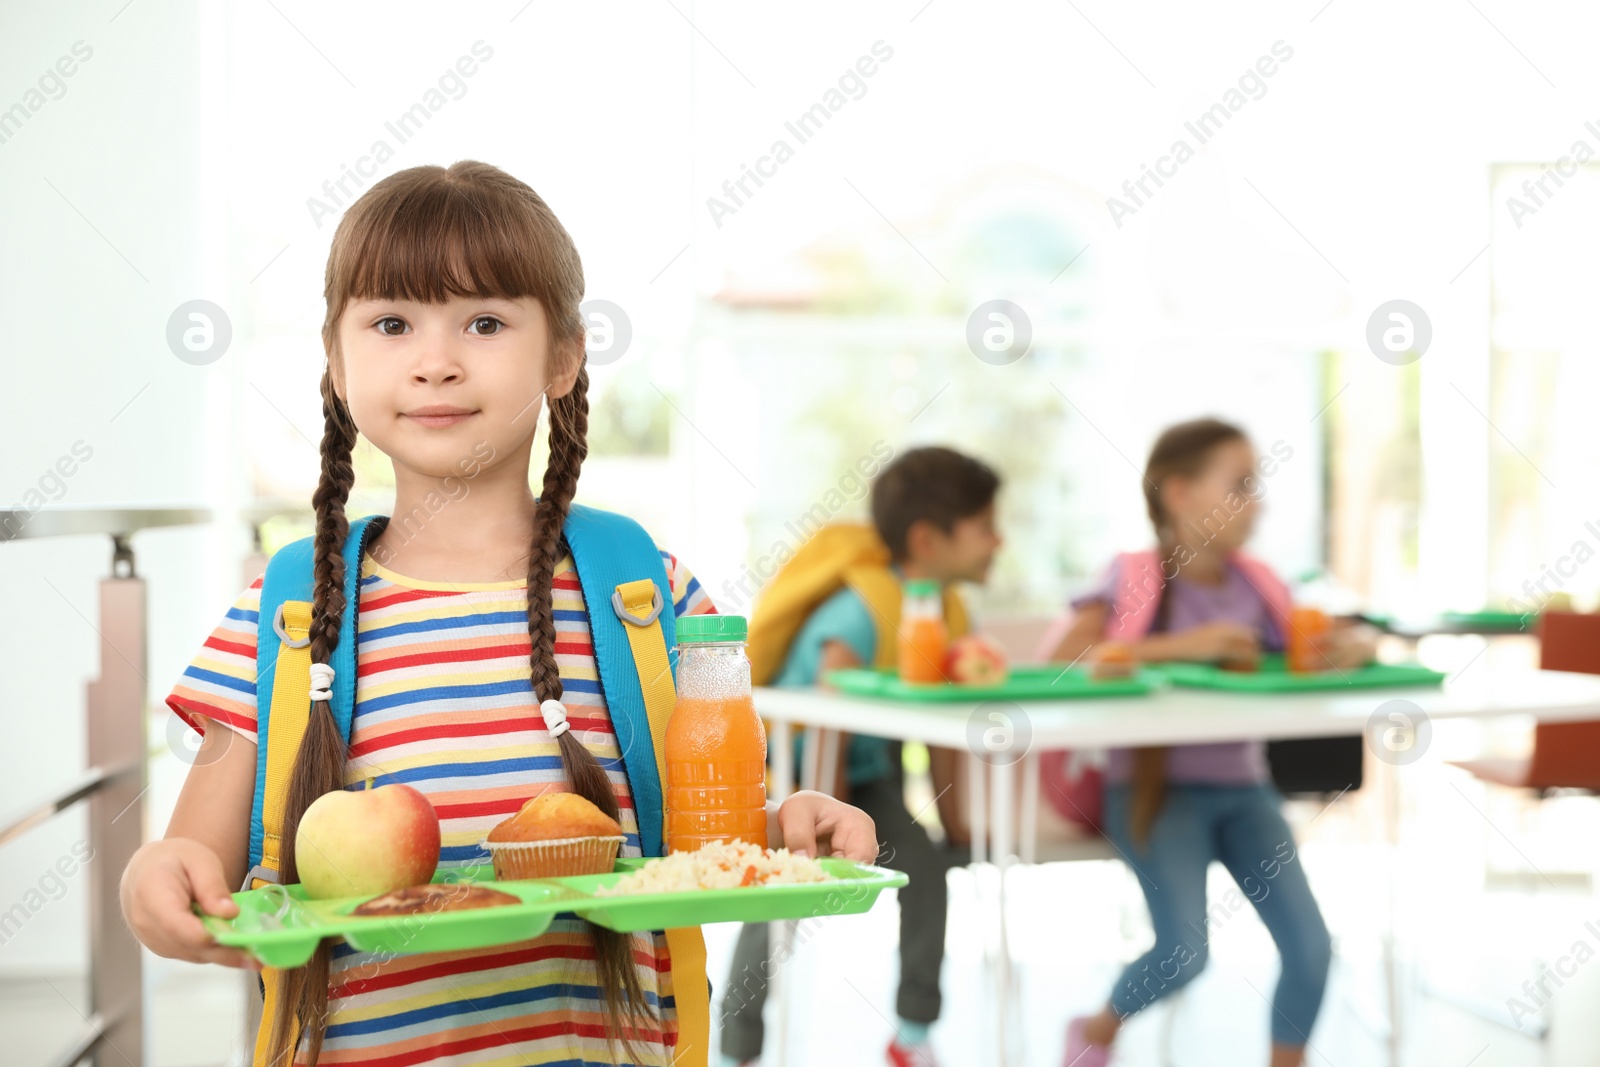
(115, 781)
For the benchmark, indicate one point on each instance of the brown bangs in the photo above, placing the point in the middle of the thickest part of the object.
(430, 234)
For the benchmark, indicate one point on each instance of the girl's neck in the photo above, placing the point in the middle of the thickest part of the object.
(460, 529)
(1204, 565)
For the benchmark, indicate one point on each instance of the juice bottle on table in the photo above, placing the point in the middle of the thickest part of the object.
(924, 638)
(716, 787)
(1307, 626)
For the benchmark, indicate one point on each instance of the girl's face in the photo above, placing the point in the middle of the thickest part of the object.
(1219, 505)
(433, 385)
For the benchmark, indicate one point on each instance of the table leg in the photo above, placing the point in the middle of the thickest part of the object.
(810, 757)
(782, 933)
(977, 807)
(1028, 818)
(781, 747)
(828, 762)
(1389, 773)
(1003, 837)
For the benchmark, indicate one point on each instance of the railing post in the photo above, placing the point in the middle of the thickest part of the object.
(116, 719)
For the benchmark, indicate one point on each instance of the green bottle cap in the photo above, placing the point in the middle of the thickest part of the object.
(711, 629)
(922, 587)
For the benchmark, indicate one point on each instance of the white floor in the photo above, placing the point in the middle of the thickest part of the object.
(1473, 929)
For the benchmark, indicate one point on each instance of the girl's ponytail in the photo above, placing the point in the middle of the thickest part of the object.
(319, 766)
(625, 1004)
(1183, 450)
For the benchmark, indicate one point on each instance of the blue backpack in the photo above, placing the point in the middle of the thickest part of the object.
(635, 647)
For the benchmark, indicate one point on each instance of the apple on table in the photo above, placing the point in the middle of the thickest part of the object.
(363, 842)
(975, 660)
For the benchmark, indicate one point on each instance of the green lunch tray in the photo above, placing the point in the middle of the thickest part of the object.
(1272, 676)
(281, 927)
(854, 888)
(1507, 620)
(1023, 683)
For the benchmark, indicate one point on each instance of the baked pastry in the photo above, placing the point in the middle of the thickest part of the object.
(434, 897)
(554, 835)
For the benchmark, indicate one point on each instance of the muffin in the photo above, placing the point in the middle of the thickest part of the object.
(554, 835)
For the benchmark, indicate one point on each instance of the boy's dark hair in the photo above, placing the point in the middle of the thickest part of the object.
(938, 485)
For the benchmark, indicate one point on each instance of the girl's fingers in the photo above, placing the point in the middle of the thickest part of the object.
(230, 957)
(856, 840)
(207, 886)
(189, 937)
(187, 932)
(799, 831)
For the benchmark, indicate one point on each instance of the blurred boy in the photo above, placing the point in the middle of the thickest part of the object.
(834, 605)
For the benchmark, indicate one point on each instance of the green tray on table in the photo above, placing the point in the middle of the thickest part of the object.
(1044, 682)
(1273, 676)
(281, 927)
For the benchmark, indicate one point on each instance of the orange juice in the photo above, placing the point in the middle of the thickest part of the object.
(1307, 626)
(716, 748)
(924, 638)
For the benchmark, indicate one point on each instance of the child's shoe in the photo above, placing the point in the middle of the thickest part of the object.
(1081, 1052)
(900, 1054)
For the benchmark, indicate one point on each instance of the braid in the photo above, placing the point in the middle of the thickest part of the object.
(569, 425)
(1180, 450)
(319, 766)
(625, 1003)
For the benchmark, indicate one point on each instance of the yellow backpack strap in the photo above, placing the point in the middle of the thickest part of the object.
(286, 726)
(686, 945)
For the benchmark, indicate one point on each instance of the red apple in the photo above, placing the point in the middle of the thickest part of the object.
(364, 842)
(975, 660)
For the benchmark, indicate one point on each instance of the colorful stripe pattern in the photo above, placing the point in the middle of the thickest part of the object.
(444, 704)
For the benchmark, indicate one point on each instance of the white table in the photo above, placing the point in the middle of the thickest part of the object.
(1170, 716)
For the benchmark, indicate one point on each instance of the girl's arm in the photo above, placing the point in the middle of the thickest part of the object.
(203, 857)
(1216, 640)
(213, 808)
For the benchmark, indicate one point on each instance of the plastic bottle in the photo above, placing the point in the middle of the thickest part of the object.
(716, 788)
(924, 638)
(1307, 626)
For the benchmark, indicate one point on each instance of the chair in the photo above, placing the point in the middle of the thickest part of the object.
(1566, 755)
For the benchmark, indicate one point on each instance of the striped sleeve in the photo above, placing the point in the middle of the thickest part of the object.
(689, 597)
(220, 682)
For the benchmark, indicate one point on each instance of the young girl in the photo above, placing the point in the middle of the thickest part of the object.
(452, 308)
(1171, 811)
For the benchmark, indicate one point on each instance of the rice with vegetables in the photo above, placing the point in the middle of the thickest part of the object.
(718, 866)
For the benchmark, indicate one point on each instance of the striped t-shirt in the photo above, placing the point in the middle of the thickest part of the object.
(445, 705)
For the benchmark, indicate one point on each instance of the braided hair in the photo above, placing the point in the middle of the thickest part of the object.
(428, 234)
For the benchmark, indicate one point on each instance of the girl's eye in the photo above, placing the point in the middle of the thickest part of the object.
(384, 322)
(491, 331)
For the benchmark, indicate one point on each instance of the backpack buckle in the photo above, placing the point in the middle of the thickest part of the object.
(283, 635)
(265, 874)
(627, 616)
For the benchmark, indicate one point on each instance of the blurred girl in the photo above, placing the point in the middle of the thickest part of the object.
(1171, 811)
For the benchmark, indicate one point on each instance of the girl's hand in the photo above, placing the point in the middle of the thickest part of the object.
(1220, 641)
(160, 883)
(1346, 647)
(815, 824)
